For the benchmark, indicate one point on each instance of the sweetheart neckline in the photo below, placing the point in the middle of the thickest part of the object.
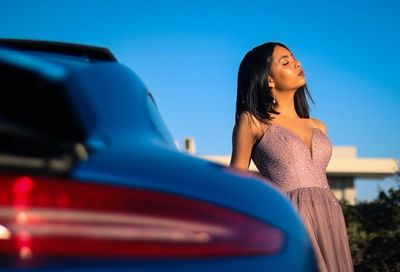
(309, 148)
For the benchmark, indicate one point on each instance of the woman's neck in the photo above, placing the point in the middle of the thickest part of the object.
(286, 106)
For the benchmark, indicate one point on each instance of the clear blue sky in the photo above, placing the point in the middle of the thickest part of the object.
(188, 52)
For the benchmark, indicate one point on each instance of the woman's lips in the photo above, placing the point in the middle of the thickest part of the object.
(301, 74)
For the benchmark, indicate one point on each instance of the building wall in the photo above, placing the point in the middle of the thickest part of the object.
(343, 188)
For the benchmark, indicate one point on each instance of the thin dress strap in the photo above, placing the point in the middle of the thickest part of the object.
(315, 124)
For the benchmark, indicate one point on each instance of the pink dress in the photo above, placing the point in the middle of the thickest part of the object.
(300, 172)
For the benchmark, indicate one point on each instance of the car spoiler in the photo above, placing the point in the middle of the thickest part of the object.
(25, 113)
(92, 53)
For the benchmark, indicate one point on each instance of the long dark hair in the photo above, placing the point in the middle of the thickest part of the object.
(253, 93)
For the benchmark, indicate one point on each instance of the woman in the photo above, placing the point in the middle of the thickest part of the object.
(273, 127)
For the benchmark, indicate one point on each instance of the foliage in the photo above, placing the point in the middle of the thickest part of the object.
(374, 232)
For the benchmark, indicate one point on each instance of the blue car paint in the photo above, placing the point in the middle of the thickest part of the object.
(137, 156)
(128, 149)
(134, 150)
(234, 264)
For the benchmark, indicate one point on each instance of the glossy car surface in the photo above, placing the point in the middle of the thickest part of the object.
(91, 179)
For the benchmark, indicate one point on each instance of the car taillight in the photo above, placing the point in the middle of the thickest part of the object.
(57, 217)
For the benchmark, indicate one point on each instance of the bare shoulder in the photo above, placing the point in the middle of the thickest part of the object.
(245, 117)
(250, 122)
(320, 125)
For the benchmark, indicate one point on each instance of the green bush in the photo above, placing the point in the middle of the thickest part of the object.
(374, 232)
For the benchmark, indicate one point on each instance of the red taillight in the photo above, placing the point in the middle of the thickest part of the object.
(44, 217)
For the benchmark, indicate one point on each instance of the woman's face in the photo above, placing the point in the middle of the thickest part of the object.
(286, 72)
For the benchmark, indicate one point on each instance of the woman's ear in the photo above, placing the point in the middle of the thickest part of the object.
(271, 82)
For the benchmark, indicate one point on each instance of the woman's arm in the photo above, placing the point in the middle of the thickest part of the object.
(243, 140)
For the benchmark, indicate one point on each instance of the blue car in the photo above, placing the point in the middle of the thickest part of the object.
(91, 180)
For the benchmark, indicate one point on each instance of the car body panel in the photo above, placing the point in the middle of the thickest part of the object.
(126, 144)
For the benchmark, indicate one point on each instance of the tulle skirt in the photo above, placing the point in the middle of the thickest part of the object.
(324, 221)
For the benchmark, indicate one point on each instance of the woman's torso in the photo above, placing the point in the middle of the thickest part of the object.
(282, 156)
